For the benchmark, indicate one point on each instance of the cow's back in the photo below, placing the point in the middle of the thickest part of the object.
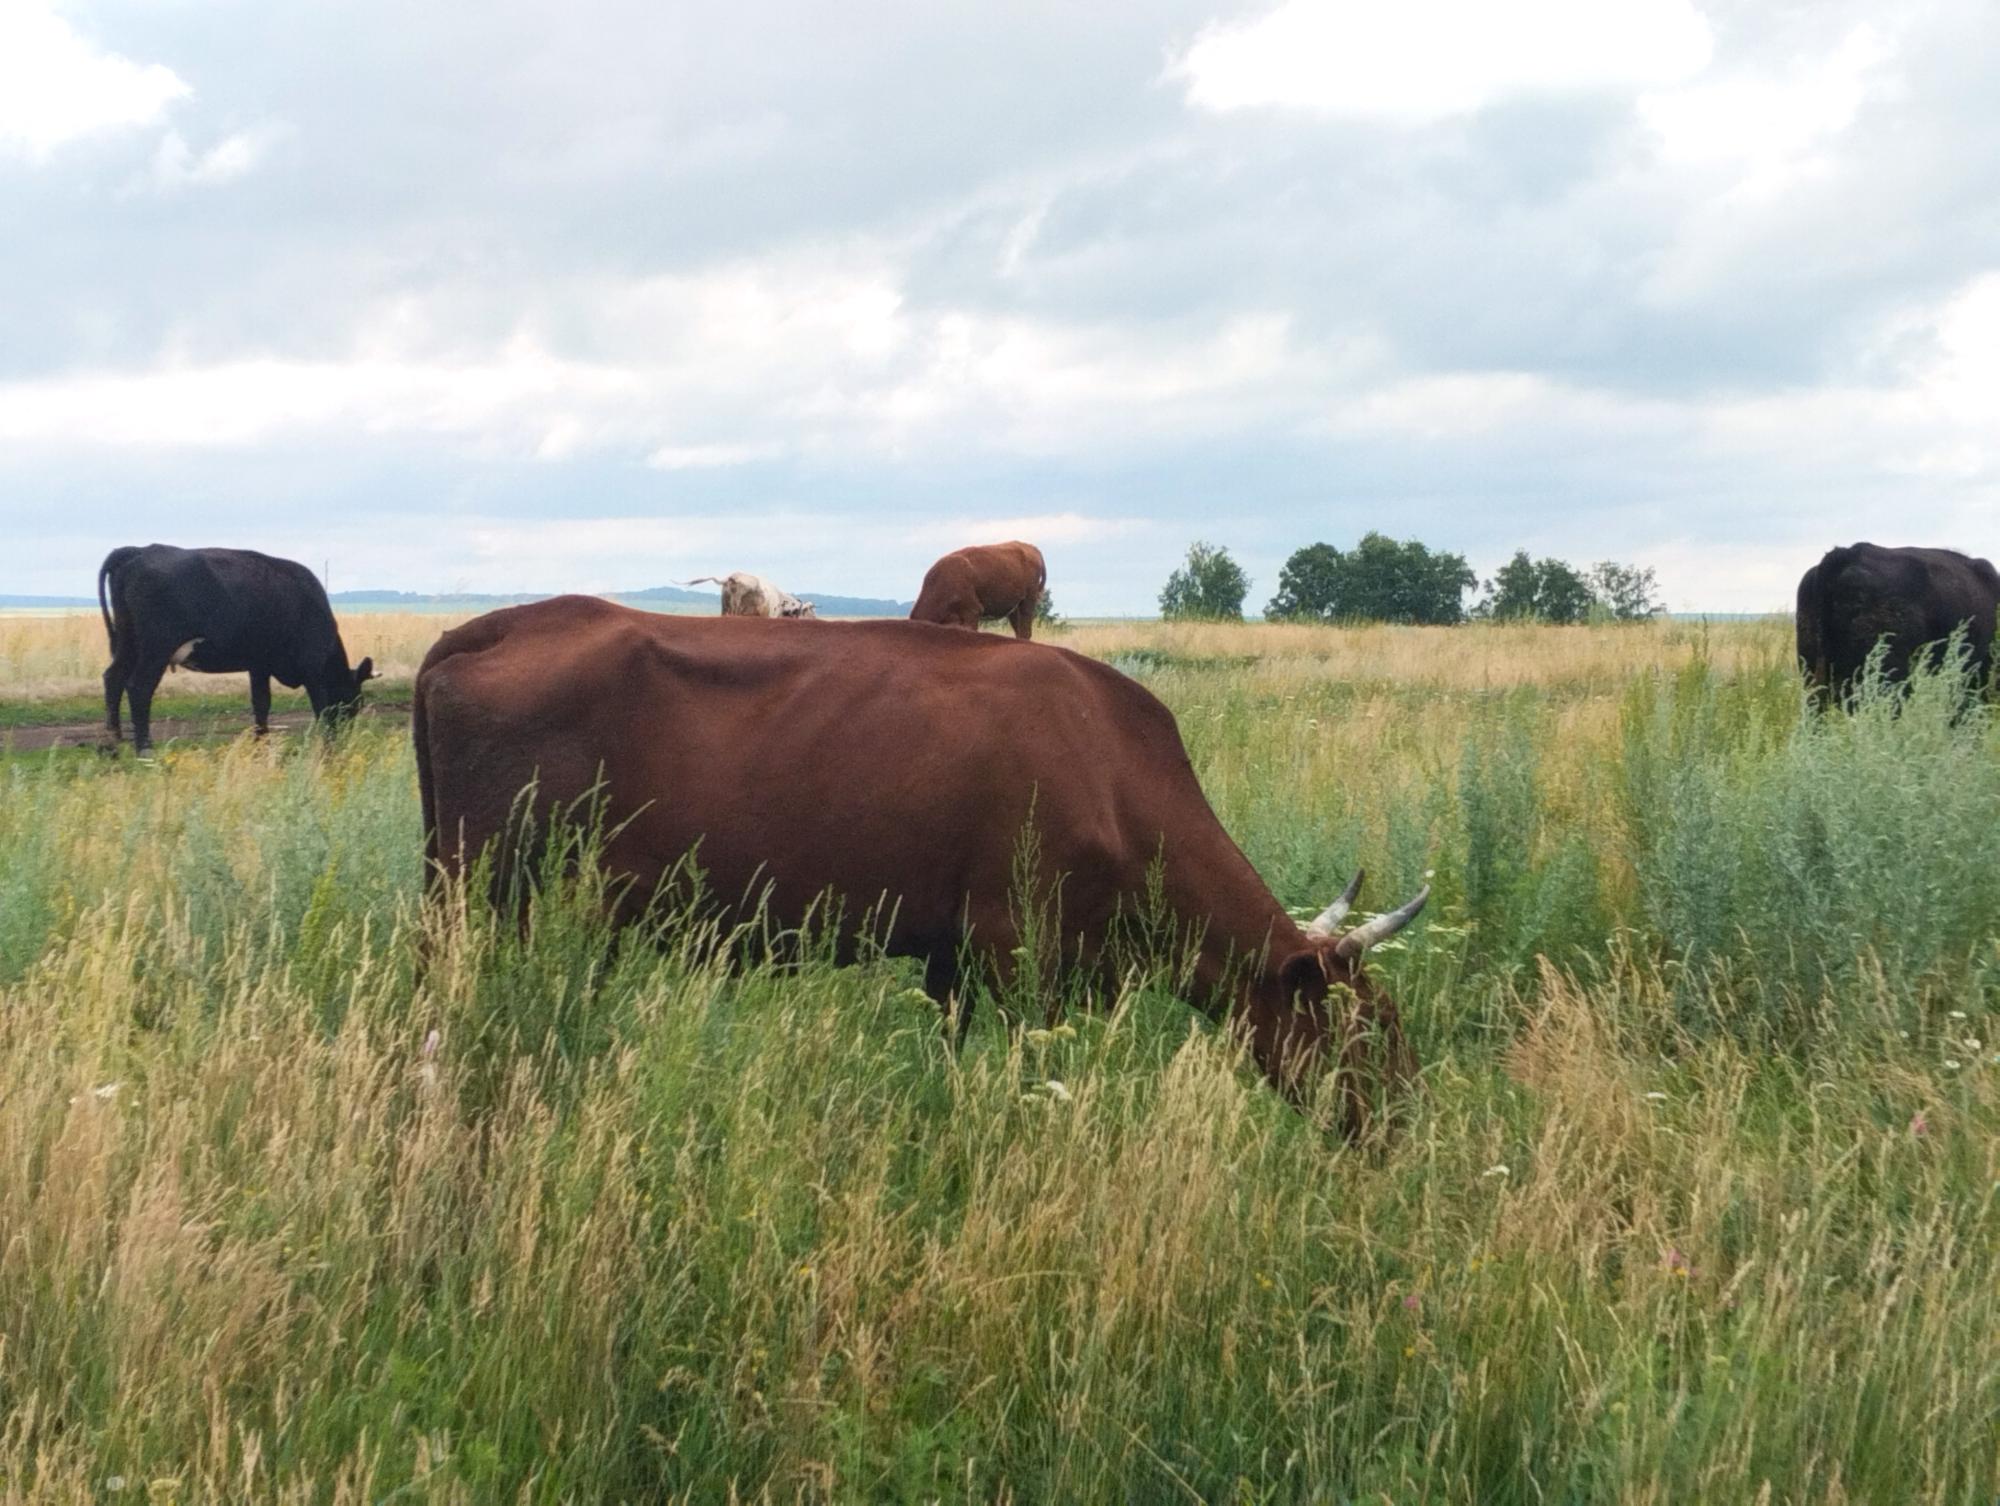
(248, 609)
(879, 759)
(1863, 594)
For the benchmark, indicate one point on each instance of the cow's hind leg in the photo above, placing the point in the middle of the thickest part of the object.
(1023, 618)
(260, 700)
(115, 676)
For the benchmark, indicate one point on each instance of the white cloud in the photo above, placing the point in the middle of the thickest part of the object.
(56, 85)
(1765, 129)
(699, 457)
(1424, 60)
(176, 165)
(1039, 528)
(725, 368)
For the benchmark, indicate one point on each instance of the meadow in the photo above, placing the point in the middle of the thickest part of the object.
(1700, 1200)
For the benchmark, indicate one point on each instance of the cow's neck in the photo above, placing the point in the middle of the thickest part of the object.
(1246, 936)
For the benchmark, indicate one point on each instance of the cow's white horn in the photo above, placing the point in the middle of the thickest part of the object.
(1382, 927)
(1334, 913)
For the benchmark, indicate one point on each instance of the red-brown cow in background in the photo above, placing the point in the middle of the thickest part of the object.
(975, 584)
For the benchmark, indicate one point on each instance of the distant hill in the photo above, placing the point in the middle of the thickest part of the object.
(45, 603)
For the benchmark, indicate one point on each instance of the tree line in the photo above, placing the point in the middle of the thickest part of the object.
(1383, 580)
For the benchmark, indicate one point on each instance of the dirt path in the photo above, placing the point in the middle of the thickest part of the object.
(181, 728)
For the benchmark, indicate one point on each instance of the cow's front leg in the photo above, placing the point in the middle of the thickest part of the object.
(260, 700)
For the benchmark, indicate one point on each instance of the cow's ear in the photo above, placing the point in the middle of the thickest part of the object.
(365, 670)
(1303, 978)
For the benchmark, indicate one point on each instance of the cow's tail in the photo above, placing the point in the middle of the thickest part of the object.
(714, 580)
(112, 561)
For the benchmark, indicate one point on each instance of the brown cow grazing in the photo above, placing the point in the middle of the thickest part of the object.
(882, 762)
(974, 585)
(1905, 599)
(747, 595)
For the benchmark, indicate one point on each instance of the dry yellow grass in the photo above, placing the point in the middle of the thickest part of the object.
(1476, 656)
(63, 654)
(44, 655)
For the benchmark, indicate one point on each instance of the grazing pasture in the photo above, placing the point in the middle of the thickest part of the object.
(311, 1194)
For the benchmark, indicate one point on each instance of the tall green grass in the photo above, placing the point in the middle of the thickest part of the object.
(310, 1192)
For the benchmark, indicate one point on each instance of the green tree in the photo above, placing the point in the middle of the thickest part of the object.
(1379, 580)
(1531, 590)
(1626, 592)
(1308, 585)
(1045, 611)
(1209, 586)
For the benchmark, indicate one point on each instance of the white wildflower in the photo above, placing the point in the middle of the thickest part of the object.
(1039, 1037)
(1057, 1091)
(1656, 1098)
(431, 1044)
(1958, 1014)
(1951, 1064)
(1494, 1171)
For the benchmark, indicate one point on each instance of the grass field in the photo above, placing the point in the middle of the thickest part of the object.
(1701, 1202)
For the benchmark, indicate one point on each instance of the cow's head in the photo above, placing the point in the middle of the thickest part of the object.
(343, 687)
(793, 607)
(1337, 1016)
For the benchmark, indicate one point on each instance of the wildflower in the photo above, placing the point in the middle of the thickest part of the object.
(1057, 1091)
(1677, 1264)
(115, 1483)
(1618, 1409)
(1972, 1043)
(1656, 1098)
(1039, 1037)
(1494, 1171)
(1951, 1064)
(1409, 1351)
(1064, 1032)
(106, 1090)
(1412, 1302)
(805, 1273)
(1265, 1281)
(1919, 1125)
(431, 1044)
(1958, 1014)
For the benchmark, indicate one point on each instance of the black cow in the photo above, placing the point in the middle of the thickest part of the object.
(1859, 596)
(221, 611)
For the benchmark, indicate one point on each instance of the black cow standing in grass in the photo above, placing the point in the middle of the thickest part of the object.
(223, 612)
(1864, 594)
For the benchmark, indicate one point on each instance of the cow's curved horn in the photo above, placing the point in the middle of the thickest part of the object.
(1334, 913)
(1382, 927)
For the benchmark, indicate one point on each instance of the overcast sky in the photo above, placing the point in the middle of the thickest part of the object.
(604, 294)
